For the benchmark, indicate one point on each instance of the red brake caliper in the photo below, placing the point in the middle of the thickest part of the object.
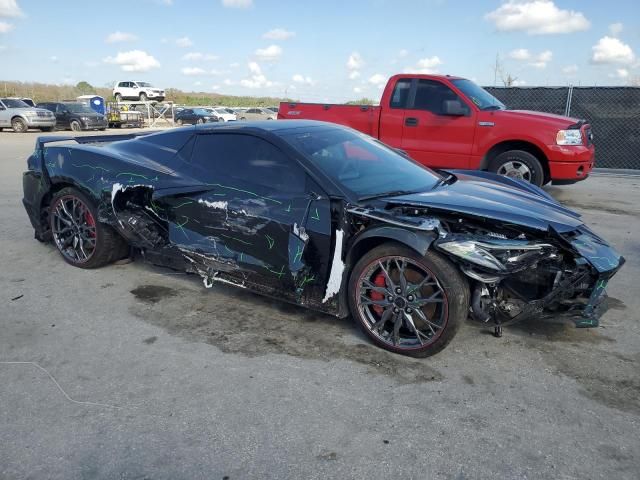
(378, 282)
(90, 221)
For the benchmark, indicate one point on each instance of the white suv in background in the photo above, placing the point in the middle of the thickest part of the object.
(142, 91)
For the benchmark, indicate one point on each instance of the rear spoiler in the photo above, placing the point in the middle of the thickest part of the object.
(42, 141)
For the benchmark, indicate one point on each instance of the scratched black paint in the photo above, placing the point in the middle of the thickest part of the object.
(152, 191)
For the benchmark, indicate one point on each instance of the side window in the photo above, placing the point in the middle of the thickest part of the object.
(431, 95)
(247, 161)
(401, 93)
(60, 108)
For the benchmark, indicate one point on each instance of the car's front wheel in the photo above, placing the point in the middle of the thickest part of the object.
(79, 237)
(19, 125)
(118, 97)
(407, 303)
(75, 125)
(520, 165)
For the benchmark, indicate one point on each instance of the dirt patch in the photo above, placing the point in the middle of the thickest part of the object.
(237, 321)
(152, 293)
(588, 357)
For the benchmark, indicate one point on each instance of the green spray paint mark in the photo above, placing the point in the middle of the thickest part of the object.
(137, 175)
(244, 191)
(288, 209)
(316, 215)
(183, 204)
(181, 226)
(601, 284)
(307, 279)
(236, 239)
(229, 250)
(93, 167)
(298, 255)
(279, 274)
(270, 241)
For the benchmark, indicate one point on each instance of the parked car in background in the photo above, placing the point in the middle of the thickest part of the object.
(75, 116)
(19, 116)
(142, 91)
(450, 122)
(190, 116)
(258, 114)
(223, 114)
(28, 101)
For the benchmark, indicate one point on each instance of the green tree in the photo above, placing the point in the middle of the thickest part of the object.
(362, 101)
(85, 88)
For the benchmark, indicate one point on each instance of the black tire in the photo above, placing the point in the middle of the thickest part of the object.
(102, 129)
(109, 245)
(118, 97)
(453, 306)
(75, 125)
(179, 122)
(143, 97)
(518, 164)
(46, 129)
(19, 125)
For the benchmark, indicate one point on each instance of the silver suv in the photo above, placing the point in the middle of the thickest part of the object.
(16, 114)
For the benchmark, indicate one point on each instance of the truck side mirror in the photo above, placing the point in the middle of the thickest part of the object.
(453, 108)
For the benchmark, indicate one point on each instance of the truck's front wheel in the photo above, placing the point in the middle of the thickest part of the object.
(520, 165)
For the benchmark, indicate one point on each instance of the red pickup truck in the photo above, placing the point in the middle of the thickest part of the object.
(450, 122)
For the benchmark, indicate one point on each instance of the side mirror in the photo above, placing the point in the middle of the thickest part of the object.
(453, 108)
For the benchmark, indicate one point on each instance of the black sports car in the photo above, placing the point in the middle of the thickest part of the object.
(323, 216)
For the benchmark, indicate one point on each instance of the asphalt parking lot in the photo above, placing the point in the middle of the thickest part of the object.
(136, 372)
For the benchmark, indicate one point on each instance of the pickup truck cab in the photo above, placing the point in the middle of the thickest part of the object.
(450, 122)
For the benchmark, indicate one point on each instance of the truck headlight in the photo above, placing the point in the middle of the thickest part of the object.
(496, 255)
(569, 137)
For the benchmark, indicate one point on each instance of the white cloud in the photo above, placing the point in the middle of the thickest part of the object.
(256, 79)
(302, 79)
(117, 37)
(378, 80)
(570, 69)
(10, 9)
(234, 65)
(54, 59)
(133, 61)
(354, 74)
(279, 34)
(520, 54)
(228, 81)
(612, 50)
(5, 27)
(357, 89)
(536, 17)
(620, 73)
(215, 87)
(542, 59)
(270, 54)
(237, 3)
(615, 29)
(199, 56)
(518, 83)
(184, 42)
(193, 71)
(425, 66)
(403, 53)
(355, 61)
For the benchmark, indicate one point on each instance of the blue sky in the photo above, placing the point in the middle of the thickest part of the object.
(317, 50)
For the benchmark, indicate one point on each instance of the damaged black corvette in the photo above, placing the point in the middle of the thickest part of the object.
(322, 216)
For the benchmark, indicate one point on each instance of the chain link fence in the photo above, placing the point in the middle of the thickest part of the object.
(613, 112)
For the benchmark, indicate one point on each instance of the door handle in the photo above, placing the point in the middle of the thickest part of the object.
(411, 121)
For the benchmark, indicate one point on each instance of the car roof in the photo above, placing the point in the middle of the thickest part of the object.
(275, 126)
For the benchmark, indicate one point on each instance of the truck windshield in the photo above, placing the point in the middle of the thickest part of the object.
(478, 95)
(14, 103)
(362, 164)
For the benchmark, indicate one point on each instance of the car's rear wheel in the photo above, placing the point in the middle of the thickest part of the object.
(407, 303)
(520, 165)
(82, 240)
(179, 122)
(118, 97)
(19, 125)
(75, 125)
(143, 97)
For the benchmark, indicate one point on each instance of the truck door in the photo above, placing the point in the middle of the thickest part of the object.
(392, 115)
(438, 126)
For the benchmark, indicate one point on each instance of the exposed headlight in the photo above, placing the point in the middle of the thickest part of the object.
(499, 255)
(569, 137)
(86, 119)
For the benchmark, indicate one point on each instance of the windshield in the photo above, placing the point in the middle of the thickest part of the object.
(14, 103)
(362, 164)
(78, 108)
(478, 95)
